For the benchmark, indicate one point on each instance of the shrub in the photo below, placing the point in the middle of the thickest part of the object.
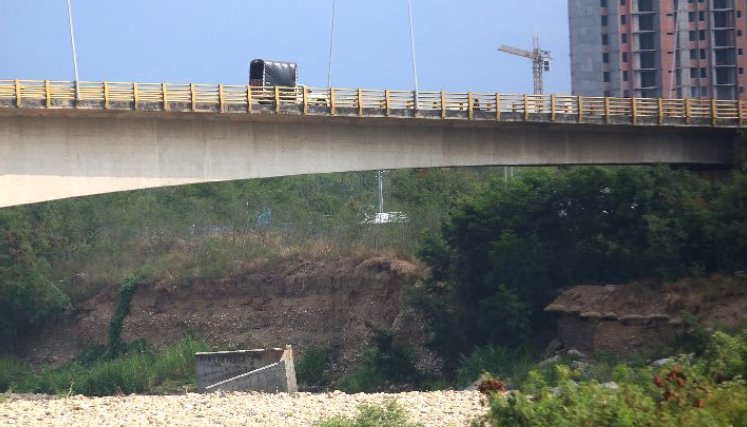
(501, 362)
(708, 391)
(311, 368)
(387, 362)
(390, 414)
(14, 373)
(138, 371)
(177, 363)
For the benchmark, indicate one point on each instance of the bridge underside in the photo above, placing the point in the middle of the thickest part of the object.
(54, 154)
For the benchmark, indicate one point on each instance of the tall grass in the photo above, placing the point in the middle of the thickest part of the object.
(135, 372)
(502, 362)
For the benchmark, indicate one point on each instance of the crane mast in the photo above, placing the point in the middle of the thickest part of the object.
(540, 61)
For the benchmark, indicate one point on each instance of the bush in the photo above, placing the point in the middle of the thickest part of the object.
(311, 368)
(386, 363)
(177, 363)
(14, 374)
(138, 371)
(708, 391)
(390, 414)
(500, 362)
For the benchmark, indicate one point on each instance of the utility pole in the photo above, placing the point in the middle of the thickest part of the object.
(540, 61)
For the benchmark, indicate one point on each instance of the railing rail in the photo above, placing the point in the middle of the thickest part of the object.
(51, 94)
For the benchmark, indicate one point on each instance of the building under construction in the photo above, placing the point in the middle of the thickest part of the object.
(659, 48)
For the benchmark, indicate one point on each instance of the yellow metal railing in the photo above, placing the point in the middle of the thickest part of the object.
(367, 102)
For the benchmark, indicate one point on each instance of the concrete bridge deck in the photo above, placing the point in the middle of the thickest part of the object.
(56, 143)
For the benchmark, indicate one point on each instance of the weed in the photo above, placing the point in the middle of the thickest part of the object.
(501, 362)
(310, 370)
(390, 414)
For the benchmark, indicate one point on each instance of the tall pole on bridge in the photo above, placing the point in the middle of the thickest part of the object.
(331, 43)
(412, 48)
(72, 44)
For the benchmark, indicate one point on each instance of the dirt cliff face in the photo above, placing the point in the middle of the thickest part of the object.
(334, 304)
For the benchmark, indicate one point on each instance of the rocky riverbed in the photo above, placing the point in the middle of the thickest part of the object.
(441, 408)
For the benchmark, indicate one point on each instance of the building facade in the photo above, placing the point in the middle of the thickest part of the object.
(659, 48)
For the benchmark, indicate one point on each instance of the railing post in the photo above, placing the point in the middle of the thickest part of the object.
(305, 95)
(580, 103)
(165, 96)
(277, 99)
(714, 112)
(248, 98)
(387, 101)
(360, 101)
(634, 109)
(221, 99)
(553, 113)
(497, 106)
(470, 106)
(660, 106)
(688, 111)
(443, 105)
(607, 117)
(332, 103)
(17, 86)
(135, 95)
(526, 107)
(192, 96)
(47, 94)
(107, 102)
(740, 114)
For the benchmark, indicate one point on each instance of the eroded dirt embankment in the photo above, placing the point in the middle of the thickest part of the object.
(334, 304)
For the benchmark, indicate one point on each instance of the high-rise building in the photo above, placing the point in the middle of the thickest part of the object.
(659, 48)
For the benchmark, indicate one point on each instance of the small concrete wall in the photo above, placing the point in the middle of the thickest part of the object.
(264, 370)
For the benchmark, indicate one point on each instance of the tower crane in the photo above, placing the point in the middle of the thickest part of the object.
(540, 61)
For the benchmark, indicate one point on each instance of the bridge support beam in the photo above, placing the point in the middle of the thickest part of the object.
(46, 155)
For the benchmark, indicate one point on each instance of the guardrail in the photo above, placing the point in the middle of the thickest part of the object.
(366, 102)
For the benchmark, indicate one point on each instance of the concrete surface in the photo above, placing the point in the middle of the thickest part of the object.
(53, 154)
(263, 370)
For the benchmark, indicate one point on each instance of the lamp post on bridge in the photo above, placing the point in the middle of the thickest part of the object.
(72, 45)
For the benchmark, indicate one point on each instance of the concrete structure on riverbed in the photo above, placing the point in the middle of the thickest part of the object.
(265, 370)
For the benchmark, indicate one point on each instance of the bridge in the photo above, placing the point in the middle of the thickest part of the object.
(63, 139)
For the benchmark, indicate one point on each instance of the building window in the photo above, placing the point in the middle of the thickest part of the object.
(623, 38)
(603, 3)
(604, 20)
(625, 76)
(703, 73)
(623, 19)
(693, 73)
(702, 34)
(605, 39)
(692, 35)
(625, 57)
(606, 58)
(702, 54)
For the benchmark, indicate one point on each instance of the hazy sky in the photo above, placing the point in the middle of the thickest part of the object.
(213, 41)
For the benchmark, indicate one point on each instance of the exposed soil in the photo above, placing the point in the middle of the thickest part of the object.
(333, 304)
(716, 301)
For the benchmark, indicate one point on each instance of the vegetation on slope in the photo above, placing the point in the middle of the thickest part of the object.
(504, 253)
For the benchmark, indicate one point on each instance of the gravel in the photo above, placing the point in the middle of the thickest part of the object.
(440, 408)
